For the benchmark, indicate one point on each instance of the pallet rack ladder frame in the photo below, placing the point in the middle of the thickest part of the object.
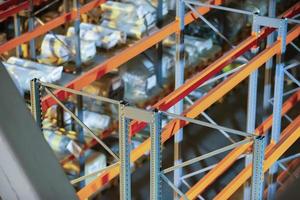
(126, 114)
(35, 93)
(281, 26)
(251, 109)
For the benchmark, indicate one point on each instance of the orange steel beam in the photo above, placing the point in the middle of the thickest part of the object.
(40, 30)
(289, 136)
(285, 174)
(215, 67)
(13, 10)
(6, 4)
(232, 156)
(212, 69)
(122, 57)
(199, 106)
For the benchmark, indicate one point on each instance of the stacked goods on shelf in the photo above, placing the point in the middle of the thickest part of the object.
(235, 22)
(201, 30)
(230, 24)
(23, 71)
(103, 37)
(111, 86)
(52, 73)
(133, 17)
(58, 49)
(94, 121)
(194, 48)
(95, 161)
(62, 145)
(3, 38)
(139, 78)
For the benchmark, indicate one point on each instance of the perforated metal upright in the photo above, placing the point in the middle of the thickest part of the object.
(124, 149)
(35, 99)
(257, 181)
(155, 157)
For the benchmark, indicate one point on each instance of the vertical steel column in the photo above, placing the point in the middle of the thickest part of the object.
(77, 36)
(277, 105)
(124, 149)
(251, 112)
(80, 137)
(179, 79)
(35, 99)
(269, 65)
(257, 181)
(79, 97)
(17, 29)
(276, 126)
(155, 157)
(159, 46)
(66, 10)
(30, 28)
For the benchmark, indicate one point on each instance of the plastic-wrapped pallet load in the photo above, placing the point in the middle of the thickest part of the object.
(139, 79)
(132, 17)
(58, 49)
(95, 121)
(111, 86)
(256, 6)
(22, 76)
(165, 8)
(95, 161)
(52, 73)
(62, 145)
(168, 64)
(194, 47)
(103, 37)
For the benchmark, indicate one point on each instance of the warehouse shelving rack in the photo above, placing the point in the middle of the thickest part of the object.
(275, 149)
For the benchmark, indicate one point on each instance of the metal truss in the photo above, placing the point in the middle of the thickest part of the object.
(273, 153)
(207, 100)
(38, 87)
(158, 137)
(258, 152)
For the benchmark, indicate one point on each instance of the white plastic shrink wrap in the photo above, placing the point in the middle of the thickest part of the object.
(103, 37)
(132, 17)
(52, 73)
(22, 76)
(58, 49)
